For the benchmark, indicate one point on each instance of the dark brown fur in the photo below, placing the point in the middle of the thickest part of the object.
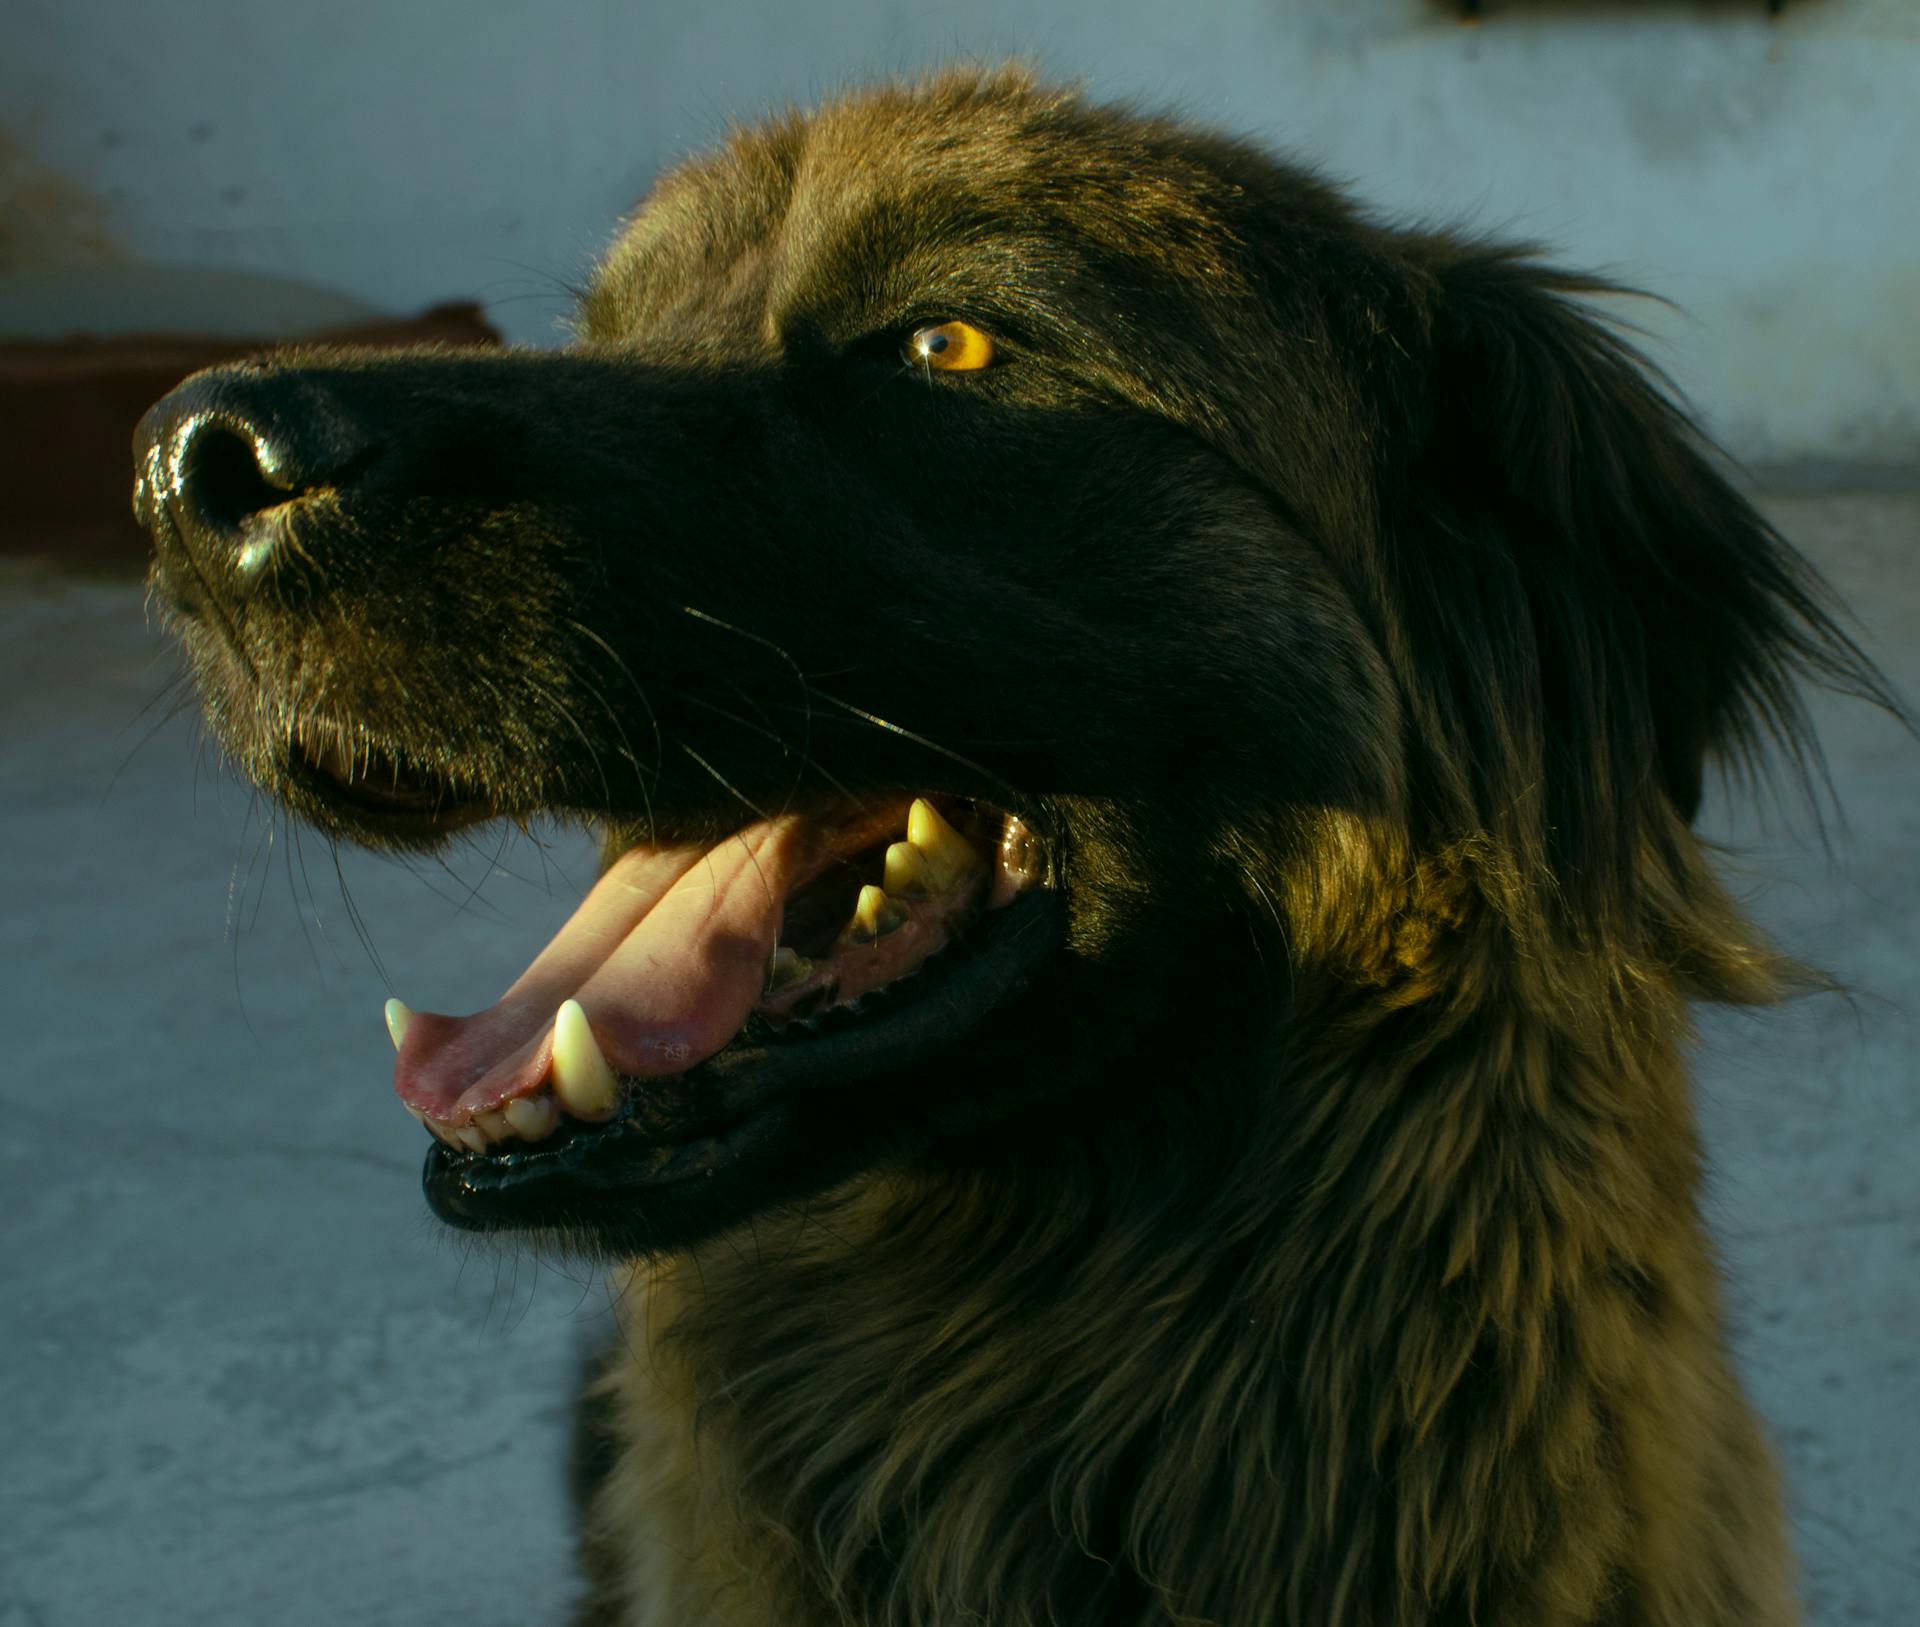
(1319, 1242)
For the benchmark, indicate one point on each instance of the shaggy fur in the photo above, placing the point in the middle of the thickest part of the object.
(1317, 1241)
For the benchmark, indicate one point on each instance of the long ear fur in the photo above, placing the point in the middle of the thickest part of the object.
(1611, 611)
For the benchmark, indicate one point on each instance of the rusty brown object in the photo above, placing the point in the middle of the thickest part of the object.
(1473, 12)
(68, 407)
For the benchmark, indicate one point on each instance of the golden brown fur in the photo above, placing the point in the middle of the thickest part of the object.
(1440, 1341)
(1313, 1240)
(1444, 1345)
(1428, 1333)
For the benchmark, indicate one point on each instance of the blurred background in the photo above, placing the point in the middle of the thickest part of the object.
(244, 1377)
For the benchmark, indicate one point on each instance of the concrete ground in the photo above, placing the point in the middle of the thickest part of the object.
(245, 1379)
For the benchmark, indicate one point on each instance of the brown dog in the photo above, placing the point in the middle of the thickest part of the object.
(1146, 727)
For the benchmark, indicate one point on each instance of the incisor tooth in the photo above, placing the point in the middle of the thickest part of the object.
(949, 854)
(907, 873)
(786, 968)
(581, 1078)
(875, 914)
(532, 1117)
(472, 1137)
(493, 1125)
(398, 1016)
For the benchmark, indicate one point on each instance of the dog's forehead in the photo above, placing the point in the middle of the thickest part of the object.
(977, 189)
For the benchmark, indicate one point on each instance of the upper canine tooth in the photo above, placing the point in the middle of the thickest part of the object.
(875, 915)
(949, 854)
(398, 1016)
(908, 873)
(581, 1078)
(786, 968)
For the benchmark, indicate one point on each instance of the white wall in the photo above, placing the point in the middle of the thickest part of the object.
(1763, 174)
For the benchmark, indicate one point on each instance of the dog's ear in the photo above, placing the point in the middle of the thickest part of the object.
(1651, 615)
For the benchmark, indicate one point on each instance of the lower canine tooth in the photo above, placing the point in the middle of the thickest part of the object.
(398, 1016)
(581, 1078)
(875, 915)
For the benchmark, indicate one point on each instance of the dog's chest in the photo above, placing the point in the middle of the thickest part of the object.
(665, 1538)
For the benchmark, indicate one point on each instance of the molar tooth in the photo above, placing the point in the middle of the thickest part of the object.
(532, 1118)
(398, 1016)
(875, 915)
(581, 1078)
(785, 969)
(908, 872)
(949, 854)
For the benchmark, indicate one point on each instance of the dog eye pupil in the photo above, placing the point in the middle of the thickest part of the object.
(949, 347)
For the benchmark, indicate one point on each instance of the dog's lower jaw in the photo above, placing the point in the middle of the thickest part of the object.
(1445, 1336)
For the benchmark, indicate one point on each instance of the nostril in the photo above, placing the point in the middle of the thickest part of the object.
(224, 463)
(221, 469)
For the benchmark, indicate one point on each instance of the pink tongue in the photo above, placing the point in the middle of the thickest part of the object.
(667, 955)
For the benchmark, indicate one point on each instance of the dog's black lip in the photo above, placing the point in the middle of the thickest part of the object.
(417, 817)
(746, 1087)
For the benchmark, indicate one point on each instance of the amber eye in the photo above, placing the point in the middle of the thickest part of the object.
(949, 347)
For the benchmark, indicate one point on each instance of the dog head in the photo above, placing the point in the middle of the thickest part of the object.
(1019, 586)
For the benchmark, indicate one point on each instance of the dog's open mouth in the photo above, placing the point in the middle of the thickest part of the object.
(695, 985)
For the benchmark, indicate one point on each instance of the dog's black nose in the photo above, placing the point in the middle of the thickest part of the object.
(222, 461)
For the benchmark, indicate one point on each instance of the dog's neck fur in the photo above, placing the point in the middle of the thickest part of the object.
(1427, 1343)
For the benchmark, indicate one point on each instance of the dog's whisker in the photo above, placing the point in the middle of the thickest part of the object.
(178, 698)
(620, 665)
(548, 698)
(292, 853)
(921, 740)
(807, 764)
(361, 929)
(812, 690)
(725, 784)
